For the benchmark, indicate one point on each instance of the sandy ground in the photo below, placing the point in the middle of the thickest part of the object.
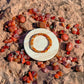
(71, 10)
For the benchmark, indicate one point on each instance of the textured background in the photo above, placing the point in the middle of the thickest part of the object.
(71, 10)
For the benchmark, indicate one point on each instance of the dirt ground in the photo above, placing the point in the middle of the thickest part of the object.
(71, 10)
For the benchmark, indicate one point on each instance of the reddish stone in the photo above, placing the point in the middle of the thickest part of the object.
(54, 64)
(69, 46)
(68, 26)
(22, 19)
(74, 30)
(44, 20)
(61, 32)
(77, 29)
(53, 17)
(78, 41)
(10, 58)
(19, 57)
(56, 76)
(24, 78)
(62, 24)
(36, 17)
(68, 52)
(40, 18)
(60, 73)
(17, 52)
(42, 24)
(17, 60)
(78, 33)
(67, 66)
(64, 58)
(31, 11)
(56, 67)
(60, 40)
(22, 60)
(64, 37)
(47, 24)
(42, 65)
(33, 73)
(47, 15)
(14, 39)
(15, 32)
(39, 63)
(8, 41)
(76, 25)
(28, 63)
(6, 47)
(28, 80)
(61, 19)
(19, 16)
(59, 57)
(11, 23)
(2, 50)
(13, 18)
(30, 76)
(74, 59)
(12, 29)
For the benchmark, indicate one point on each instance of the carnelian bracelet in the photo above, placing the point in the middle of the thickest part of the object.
(46, 49)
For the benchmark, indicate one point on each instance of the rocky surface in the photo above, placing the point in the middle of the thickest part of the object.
(71, 10)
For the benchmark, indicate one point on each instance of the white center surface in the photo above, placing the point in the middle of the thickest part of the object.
(40, 43)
